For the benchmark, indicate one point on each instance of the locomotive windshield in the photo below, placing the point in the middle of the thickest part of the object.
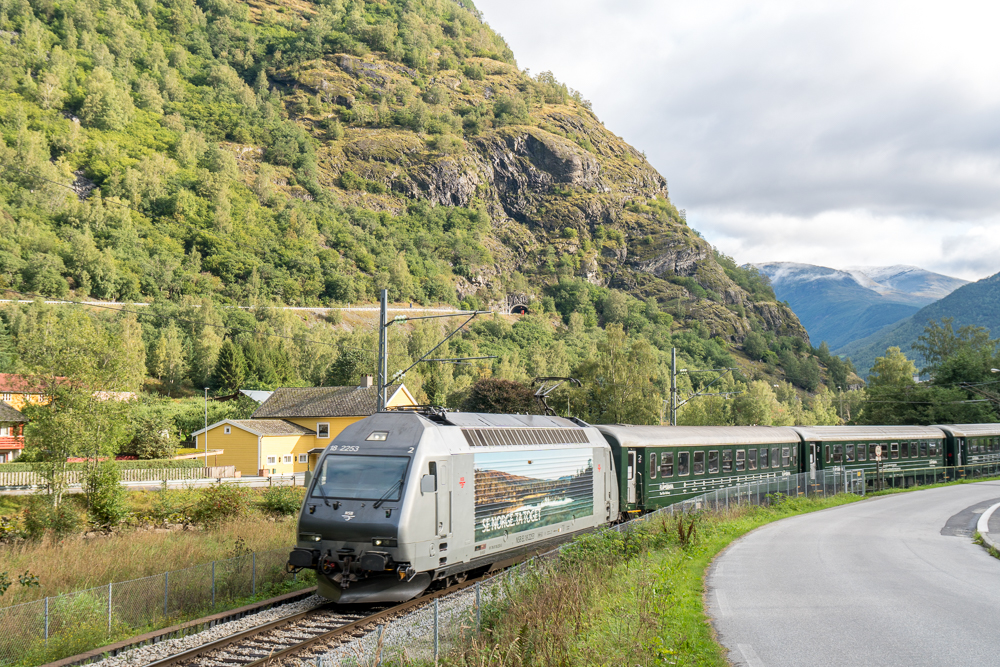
(361, 477)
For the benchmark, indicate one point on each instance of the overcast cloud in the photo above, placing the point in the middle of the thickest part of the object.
(832, 133)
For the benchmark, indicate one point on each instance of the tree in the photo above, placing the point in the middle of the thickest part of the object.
(618, 381)
(500, 396)
(755, 345)
(8, 354)
(168, 363)
(105, 104)
(230, 369)
(940, 341)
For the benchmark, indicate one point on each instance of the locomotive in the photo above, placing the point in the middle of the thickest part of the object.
(401, 501)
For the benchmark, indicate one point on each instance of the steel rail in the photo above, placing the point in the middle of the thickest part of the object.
(192, 655)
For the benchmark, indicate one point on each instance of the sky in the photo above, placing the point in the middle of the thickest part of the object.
(833, 133)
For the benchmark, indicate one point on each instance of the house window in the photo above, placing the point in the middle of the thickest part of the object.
(288, 458)
(4, 430)
(228, 430)
(322, 430)
(303, 458)
(270, 460)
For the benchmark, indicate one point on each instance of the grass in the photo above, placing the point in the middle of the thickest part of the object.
(197, 533)
(614, 599)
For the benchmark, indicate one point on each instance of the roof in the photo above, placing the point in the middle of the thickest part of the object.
(481, 419)
(971, 430)
(9, 414)
(677, 436)
(864, 433)
(11, 383)
(290, 402)
(256, 394)
(262, 427)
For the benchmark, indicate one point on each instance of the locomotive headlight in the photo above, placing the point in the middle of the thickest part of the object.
(383, 542)
(310, 537)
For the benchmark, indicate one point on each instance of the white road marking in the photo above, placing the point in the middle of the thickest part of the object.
(983, 526)
(750, 655)
(720, 598)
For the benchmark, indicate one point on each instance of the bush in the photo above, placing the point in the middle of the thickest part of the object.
(222, 501)
(105, 495)
(41, 517)
(282, 500)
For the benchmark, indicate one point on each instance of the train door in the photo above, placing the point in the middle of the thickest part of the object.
(813, 456)
(443, 500)
(630, 477)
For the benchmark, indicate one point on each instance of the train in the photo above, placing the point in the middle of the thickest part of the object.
(403, 501)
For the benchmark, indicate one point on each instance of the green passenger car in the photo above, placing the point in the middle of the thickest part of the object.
(858, 447)
(972, 444)
(661, 465)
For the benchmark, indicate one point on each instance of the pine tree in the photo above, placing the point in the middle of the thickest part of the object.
(230, 369)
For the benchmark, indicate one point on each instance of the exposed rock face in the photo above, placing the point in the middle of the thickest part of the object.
(560, 187)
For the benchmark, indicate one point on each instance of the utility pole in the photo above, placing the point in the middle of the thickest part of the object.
(383, 347)
(383, 352)
(674, 403)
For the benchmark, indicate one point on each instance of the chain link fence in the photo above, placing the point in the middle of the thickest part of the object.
(453, 622)
(105, 612)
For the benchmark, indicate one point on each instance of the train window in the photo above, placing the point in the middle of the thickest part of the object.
(667, 464)
(932, 448)
(362, 477)
(775, 460)
(786, 457)
(751, 459)
(713, 462)
(727, 460)
(795, 455)
(838, 453)
(763, 457)
(741, 461)
(894, 450)
(652, 465)
(871, 452)
(848, 453)
(682, 463)
(923, 448)
(699, 463)
(826, 453)
(860, 452)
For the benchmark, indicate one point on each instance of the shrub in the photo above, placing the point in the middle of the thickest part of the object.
(281, 500)
(41, 516)
(105, 495)
(222, 501)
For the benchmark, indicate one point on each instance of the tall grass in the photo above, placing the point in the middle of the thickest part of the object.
(75, 563)
(632, 598)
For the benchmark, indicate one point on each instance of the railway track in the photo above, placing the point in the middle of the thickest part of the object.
(299, 638)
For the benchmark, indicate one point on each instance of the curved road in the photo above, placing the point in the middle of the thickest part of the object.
(894, 580)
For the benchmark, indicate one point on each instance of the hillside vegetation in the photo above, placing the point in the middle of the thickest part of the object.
(212, 154)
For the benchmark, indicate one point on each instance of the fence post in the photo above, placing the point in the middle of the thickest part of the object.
(435, 631)
(253, 574)
(109, 608)
(166, 592)
(46, 620)
(213, 584)
(479, 614)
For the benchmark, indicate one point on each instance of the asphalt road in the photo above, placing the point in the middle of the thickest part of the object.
(894, 580)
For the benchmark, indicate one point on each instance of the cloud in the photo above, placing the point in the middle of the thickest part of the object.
(878, 118)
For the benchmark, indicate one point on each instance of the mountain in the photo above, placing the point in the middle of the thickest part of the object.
(976, 304)
(313, 153)
(841, 306)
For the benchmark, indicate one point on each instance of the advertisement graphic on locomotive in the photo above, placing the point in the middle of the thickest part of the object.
(518, 491)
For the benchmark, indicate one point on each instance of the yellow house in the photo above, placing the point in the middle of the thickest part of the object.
(293, 422)
(256, 445)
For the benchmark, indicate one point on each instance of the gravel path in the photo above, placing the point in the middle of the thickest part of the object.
(146, 654)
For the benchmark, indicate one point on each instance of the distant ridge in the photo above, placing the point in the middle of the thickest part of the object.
(842, 306)
(976, 304)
